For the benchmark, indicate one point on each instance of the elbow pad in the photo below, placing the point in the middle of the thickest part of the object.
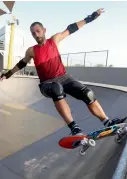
(72, 28)
(21, 64)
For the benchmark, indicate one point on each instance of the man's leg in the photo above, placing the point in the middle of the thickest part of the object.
(65, 112)
(81, 92)
(97, 110)
(55, 91)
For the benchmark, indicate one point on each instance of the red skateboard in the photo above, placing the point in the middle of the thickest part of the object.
(72, 142)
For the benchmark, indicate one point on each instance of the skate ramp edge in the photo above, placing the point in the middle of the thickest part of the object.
(121, 169)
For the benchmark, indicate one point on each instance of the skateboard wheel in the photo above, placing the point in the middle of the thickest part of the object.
(118, 141)
(84, 141)
(82, 152)
(92, 142)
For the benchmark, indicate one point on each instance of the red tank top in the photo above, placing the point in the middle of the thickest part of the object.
(48, 61)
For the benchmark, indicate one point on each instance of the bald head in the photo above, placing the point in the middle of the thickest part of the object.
(36, 23)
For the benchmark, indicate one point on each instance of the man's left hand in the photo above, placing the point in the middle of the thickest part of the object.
(100, 11)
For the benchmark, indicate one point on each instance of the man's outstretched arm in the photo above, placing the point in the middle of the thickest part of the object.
(76, 26)
(21, 64)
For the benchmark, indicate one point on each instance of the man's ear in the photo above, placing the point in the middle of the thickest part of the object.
(44, 30)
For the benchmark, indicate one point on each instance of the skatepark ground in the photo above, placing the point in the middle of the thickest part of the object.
(30, 129)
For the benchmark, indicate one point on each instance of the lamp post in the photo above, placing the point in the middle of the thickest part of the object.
(11, 44)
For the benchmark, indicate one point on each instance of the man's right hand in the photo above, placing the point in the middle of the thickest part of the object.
(6, 75)
(2, 77)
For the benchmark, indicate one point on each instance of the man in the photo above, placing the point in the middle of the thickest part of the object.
(55, 83)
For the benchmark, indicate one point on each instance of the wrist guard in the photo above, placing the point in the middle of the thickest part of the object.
(91, 17)
(7, 75)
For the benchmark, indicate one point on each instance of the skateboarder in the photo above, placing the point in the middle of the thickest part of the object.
(55, 83)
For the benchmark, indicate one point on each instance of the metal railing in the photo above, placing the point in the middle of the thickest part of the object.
(87, 59)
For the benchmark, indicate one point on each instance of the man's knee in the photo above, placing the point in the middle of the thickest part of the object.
(52, 90)
(57, 91)
(88, 95)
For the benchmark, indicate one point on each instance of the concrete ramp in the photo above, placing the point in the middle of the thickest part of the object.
(20, 124)
(30, 129)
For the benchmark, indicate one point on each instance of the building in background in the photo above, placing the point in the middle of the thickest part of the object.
(18, 46)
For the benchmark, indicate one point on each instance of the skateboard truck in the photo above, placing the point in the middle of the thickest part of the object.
(85, 144)
(121, 134)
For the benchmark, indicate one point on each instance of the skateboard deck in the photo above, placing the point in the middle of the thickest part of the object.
(88, 140)
(106, 131)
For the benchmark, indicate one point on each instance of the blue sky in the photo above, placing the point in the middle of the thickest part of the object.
(108, 32)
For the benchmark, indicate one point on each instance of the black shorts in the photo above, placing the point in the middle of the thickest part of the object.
(70, 85)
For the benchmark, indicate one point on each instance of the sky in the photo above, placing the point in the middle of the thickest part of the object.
(108, 32)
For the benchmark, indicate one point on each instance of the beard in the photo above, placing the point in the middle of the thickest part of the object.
(40, 40)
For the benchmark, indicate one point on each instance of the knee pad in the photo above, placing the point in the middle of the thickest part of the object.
(57, 91)
(88, 96)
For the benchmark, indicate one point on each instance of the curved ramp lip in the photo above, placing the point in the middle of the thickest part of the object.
(108, 86)
(121, 170)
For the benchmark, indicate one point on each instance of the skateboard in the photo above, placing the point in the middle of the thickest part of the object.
(88, 140)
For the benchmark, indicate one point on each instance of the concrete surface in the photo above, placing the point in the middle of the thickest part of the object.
(29, 142)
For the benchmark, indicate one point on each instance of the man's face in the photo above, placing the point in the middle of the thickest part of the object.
(38, 32)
